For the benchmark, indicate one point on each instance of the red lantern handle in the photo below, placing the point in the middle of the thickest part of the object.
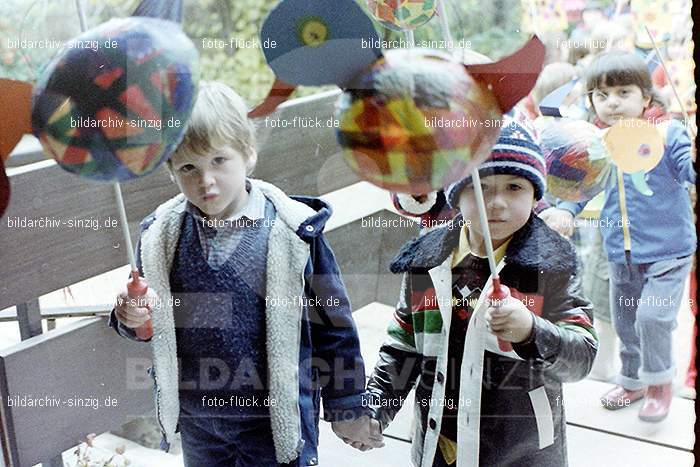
(498, 296)
(136, 288)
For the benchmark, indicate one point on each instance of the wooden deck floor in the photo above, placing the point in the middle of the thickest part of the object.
(595, 436)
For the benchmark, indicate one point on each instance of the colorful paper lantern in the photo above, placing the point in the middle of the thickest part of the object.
(411, 121)
(578, 164)
(113, 105)
(402, 15)
(16, 101)
(655, 16)
(416, 122)
(682, 72)
(320, 42)
(314, 44)
(334, 42)
(545, 16)
(636, 146)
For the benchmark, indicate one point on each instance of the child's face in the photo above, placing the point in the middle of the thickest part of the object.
(214, 182)
(613, 103)
(509, 202)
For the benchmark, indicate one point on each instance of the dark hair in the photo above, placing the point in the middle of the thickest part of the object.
(621, 69)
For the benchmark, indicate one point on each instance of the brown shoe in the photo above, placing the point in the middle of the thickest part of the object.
(619, 397)
(656, 403)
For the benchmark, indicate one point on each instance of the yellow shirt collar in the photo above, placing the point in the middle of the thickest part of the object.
(463, 249)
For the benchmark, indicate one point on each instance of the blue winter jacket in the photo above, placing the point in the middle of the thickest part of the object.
(330, 364)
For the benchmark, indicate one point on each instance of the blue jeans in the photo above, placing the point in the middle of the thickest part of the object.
(645, 299)
(227, 442)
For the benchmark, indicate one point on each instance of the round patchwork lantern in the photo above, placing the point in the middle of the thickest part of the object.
(416, 121)
(402, 15)
(578, 164)
(113, 105)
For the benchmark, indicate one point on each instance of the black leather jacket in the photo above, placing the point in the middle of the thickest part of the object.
(540, 264)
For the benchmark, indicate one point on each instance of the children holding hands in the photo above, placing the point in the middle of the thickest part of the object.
(219, 302)
(239, 365)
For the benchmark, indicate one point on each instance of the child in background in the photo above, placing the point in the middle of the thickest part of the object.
(553, 49)
(247, 303)
(651, 239)
(594, 270)
(552, 77)
(442, 339)
(593, 13)
(612, 36)
(606, 36)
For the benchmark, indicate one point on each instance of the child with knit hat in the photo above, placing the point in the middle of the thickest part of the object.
(476, 404)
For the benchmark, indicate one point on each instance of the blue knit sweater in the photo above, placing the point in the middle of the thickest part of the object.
(220, 323)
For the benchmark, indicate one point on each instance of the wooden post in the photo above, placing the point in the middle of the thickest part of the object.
(29, 319)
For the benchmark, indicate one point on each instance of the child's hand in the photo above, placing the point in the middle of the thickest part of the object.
(560, 220)
(133, 313)
(511, 321)
(363, 433)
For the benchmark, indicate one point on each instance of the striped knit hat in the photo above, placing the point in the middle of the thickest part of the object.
(516, 152)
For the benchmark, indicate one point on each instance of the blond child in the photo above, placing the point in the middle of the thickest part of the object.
(251, 321)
